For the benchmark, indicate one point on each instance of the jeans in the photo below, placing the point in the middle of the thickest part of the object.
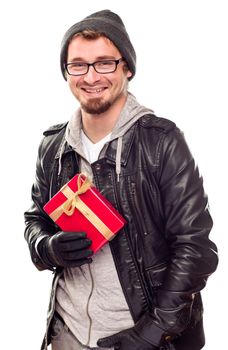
(63, 339)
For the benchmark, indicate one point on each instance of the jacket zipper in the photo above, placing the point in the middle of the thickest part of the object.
(52, 309)
(143, 228)
(118, 200)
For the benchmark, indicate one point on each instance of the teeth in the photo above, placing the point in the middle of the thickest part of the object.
(94, 91)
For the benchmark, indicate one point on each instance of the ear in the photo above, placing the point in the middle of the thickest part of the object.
(129, 74)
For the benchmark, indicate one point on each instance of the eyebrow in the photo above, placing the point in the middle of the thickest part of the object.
(98, 58)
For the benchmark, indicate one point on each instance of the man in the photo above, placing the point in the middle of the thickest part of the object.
(142, 290)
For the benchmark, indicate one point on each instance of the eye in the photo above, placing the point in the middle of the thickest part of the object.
(104, 63)
(77, 66)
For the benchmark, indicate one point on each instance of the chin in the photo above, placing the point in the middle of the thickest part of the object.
(96, 106)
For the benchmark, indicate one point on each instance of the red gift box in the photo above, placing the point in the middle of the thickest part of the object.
(79, 206)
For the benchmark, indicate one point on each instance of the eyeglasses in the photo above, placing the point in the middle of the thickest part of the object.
(102, 67)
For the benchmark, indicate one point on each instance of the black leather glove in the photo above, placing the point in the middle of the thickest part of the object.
(128, 339)
(65, 249)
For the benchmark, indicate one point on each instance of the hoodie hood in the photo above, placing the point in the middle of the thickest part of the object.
(131, 112)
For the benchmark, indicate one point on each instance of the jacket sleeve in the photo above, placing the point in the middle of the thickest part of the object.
(38, 224)
(187, 225)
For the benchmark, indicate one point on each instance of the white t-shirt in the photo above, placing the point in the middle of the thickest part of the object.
(92, 150)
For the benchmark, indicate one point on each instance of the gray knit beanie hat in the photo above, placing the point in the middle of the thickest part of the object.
(111, 25)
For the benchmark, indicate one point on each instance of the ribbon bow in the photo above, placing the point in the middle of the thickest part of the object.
(73, 200)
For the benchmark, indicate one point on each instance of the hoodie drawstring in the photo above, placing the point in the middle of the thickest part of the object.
(118, 157)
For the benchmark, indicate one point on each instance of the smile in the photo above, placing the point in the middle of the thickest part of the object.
(94, 91)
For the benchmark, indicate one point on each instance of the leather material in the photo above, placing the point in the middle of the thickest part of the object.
(66, 249)
(163, 255)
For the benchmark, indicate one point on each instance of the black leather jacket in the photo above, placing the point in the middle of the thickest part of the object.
(163, 255)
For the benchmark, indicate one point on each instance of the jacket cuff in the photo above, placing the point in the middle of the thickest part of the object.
(147, 329)
(37, 255)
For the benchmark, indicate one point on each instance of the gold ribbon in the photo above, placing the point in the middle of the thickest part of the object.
(73, 201)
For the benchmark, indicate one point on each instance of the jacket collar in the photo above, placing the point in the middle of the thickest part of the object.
(63, 148)
(110, 153)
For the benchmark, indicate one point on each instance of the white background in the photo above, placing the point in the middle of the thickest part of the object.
(181, 73)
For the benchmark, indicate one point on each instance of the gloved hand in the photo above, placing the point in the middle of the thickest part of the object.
(128, 339)
(66, 249)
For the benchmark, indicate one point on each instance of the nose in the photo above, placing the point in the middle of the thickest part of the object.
(92, 76)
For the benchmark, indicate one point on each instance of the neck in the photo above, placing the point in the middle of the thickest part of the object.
(97, 126)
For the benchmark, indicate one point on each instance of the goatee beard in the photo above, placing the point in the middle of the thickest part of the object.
(96, 106)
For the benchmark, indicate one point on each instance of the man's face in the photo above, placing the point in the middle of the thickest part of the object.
(97, 92)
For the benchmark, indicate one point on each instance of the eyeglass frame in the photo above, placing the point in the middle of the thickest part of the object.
(121, 59)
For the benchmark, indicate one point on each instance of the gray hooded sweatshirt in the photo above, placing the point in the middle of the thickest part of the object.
(90, 298)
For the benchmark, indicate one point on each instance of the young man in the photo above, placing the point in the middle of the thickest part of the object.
(142, 290)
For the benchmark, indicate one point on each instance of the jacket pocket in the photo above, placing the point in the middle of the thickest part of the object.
(155, 274)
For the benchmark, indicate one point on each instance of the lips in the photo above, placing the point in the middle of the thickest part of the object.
(96, 91)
